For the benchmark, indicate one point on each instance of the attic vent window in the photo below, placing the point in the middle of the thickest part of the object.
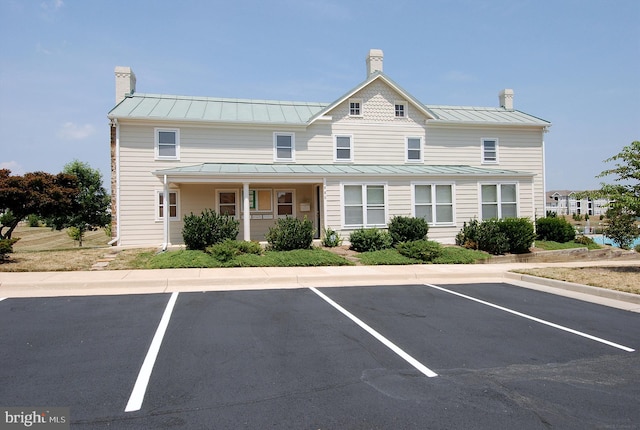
(401, 109)
(355, 108)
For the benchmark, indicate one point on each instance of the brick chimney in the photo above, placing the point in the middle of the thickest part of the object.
(125, 82)
(506, 99)
(374, 61)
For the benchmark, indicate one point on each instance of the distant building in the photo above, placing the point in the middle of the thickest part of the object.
(565, 202)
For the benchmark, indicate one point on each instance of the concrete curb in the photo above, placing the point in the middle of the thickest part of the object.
(579, 288)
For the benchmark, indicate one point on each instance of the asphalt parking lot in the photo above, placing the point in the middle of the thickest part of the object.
(480, 356)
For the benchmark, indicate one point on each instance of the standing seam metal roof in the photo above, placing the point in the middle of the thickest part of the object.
(210, 109)
(276, 170)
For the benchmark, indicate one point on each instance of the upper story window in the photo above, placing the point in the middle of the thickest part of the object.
(489, 150)
(343, 148)
(414, 149)
(499, 201)
(171, 205)
(283, 147)
(167, 143)
(355, 107)
(400, 109)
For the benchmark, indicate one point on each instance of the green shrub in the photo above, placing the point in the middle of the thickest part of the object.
(33, 220)
(370, 239)
(637, 248)
(407, 229)
(6, 247)
(290, 233)
(583, 240)
(491, 238)
(468, 236)
(330, 238)
(555, 229)
(228, 249)
(425, 250)
(208, 229)
(519, 232)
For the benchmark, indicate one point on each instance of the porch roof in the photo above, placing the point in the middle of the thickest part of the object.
(330, 170)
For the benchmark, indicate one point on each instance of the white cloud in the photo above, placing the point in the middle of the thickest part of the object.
(458, 76)
(71, 131)
(52, 4)
(14, 166)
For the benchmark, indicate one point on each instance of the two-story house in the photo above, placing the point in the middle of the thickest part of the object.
(374, 153)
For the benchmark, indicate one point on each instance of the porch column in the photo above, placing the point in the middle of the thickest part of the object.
(246, 210)
(165, 212)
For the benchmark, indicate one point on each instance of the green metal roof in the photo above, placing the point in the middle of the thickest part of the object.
(248, 111)
(326, 170)
(182, 108)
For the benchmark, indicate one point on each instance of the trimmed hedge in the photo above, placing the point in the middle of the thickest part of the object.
(370, 239)
(290, 233)
(407, 229)
(555, 229)
(514, 235)
(208, 229)
(425, 250)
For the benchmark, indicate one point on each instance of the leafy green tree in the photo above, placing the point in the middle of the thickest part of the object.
(90, 209)
(37, 193)
(626, 193)
(621, 227)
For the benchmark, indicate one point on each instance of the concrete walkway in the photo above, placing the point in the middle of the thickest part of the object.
(112, 282)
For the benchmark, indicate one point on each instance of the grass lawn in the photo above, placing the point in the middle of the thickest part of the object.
(199, 259)
(450, 255)
(549, 245)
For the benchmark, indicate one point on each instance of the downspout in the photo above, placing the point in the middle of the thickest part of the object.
(246, 209)
(116, 239)
(165, 212)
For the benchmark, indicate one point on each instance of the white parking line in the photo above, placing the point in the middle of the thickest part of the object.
(2, 298)
(415, 363)
(532, 318)
(140, 388)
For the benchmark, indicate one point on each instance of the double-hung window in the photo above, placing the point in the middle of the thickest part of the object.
(172, 206)
(343, 148)
(489, 150)
(167, 144)
(284, 200)
(227, 203)
(283, 147)
(365, 205)
(355, 107)
(434, 203)
(499, 201)
(414, 149)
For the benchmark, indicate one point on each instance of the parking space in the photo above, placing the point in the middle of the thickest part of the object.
(504, 357)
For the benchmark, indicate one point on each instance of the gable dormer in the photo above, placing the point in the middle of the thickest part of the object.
(377, 99)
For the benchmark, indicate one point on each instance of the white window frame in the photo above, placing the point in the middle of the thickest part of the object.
(434, 203)
(407, 149)
(237, 201)
(335, 148)
(404, 109)
(275, 146)
(499, 197)
(158, 208)
(350, 109)
(293, 202)
(363, 188)
(484, 153)
(157, 143)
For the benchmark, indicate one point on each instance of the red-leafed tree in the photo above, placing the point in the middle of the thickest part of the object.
(38, 193)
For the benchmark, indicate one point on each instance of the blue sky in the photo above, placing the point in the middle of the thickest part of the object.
(575, 63)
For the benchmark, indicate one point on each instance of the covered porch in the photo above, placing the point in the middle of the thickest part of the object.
(265, 196)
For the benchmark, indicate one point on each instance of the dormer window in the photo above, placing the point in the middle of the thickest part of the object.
(355, 107)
